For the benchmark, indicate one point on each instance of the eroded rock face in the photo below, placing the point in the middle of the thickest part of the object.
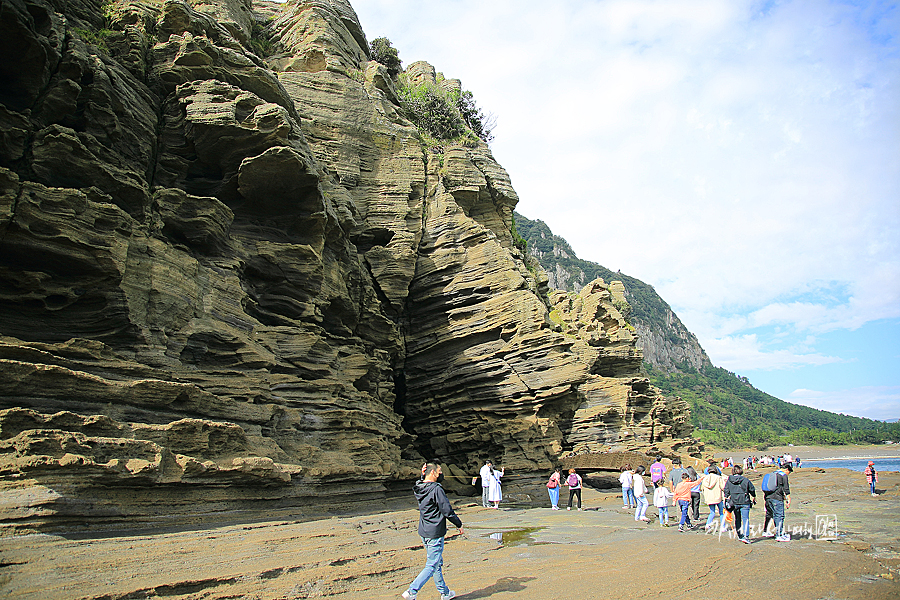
(216, 269)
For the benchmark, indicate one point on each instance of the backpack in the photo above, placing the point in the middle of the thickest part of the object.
(572, 481)
(770, 481)
(552, 482)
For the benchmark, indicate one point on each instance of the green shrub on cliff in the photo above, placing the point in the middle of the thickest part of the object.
(432, 111)
(383, 52)
(444, 114)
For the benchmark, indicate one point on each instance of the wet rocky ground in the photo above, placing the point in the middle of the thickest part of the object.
(515, 554)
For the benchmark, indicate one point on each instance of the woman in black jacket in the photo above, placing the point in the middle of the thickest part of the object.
(742, 494)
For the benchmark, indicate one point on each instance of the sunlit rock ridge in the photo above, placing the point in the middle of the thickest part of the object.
(235, 279)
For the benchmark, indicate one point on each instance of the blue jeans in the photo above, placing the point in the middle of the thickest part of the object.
(554, 496)
(434, 552)
(663, 514)
(685, 518)
(872, 485)
(775, 508)
(628, 498)
(742, 519)
(712, 515)
(641, 511)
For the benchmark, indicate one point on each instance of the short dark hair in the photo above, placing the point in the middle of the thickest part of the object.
(640, 470)
(676, 461)
(430, 468)
(737, 470)
(685, 476)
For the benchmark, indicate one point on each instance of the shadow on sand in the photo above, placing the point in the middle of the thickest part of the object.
(504, 584)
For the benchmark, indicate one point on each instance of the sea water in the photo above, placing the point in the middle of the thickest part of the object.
(854, 464)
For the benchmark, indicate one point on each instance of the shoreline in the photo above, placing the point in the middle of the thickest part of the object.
(861, 452)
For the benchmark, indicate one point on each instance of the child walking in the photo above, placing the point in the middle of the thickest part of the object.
(661, 497)
(683, 498)
(628, 499)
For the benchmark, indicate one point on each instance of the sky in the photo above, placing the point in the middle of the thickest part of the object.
(741, 156)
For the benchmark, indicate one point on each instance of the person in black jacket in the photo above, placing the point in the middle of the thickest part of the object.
(742, 493)
(434, 511)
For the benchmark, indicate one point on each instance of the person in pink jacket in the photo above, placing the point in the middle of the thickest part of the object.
(871, 476)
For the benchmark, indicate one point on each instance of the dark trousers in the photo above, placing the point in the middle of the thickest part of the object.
(695, 505)
(572, 494)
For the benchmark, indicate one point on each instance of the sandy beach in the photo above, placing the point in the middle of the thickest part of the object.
(534, 554)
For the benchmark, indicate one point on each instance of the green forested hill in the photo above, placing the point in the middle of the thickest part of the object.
(726, 410)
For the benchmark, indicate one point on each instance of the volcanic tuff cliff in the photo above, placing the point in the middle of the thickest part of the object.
(232, 281)
(666, 342)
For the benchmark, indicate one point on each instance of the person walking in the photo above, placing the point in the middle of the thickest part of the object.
(871, 476)
(626, 479)
(778, 499)
(495, 492)
(640, 494)
(434, 512)
(711, 487)
(574, 482)
(553, 485)
(675, 473)
(657, 471)
(661, 498)
(695, 492)
(683, 500)
(742, 494)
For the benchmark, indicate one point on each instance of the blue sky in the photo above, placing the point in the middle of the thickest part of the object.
(743, 157)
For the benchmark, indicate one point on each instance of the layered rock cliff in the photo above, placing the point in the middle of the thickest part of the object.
(232, 276)
(667, 344)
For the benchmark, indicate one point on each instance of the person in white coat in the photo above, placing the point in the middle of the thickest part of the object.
(485, 475)
(495, 493)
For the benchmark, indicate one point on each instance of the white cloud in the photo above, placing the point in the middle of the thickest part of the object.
(746, 353)
(881, 402)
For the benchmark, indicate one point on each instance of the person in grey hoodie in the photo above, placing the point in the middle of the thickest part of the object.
(434, 511)
(742, 493)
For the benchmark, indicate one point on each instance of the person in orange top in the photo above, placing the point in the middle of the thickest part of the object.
(683, 499)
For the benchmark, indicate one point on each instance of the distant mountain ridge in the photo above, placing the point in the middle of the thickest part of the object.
(726, 410)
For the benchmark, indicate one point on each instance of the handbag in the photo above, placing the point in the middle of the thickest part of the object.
(729, 505)
(552, 483)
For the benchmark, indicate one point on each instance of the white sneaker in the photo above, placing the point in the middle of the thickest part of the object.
(407, 595)
(768, 534)
(783, 538)
(450, 594)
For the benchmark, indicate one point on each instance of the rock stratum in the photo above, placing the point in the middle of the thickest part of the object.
(231, 281)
